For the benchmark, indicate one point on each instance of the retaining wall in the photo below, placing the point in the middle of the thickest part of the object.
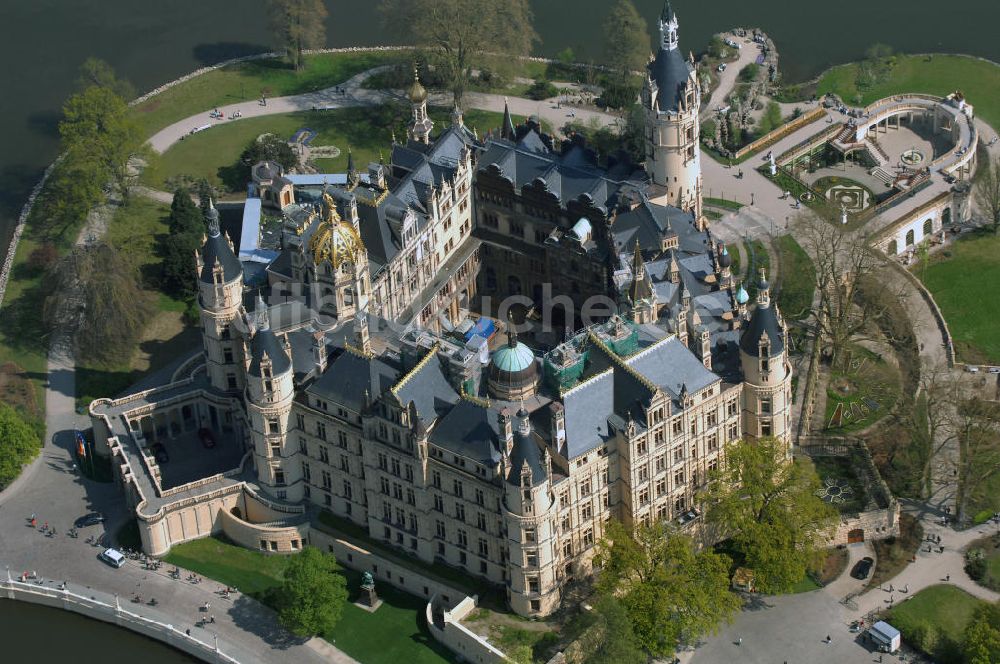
(446, 628)
(782, 131)
(109, 612)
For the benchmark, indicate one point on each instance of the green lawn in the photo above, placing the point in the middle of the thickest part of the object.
(394, 633)
(955, 277)
(938, 74)
(797, 280)
(136, 231)
(367, 131)
(934, 619)
(985, 502)
(862, 393)
(246, 81)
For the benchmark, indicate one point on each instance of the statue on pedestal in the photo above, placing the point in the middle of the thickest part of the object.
(368, 596)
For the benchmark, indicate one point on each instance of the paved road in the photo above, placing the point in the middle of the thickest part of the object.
(355, 95)
(793, 628)
(727, 80)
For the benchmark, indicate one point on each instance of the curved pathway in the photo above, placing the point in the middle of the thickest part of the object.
(355, 95)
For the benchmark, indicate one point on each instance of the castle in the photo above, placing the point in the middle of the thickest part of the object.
(354, 375)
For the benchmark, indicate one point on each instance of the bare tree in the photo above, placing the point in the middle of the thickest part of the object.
(978, 436)
(987, 192)
(932, 424)
(845, 264)
(297, 26)
(462, 34)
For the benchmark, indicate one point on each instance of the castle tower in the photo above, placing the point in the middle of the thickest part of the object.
(269, 394)
(530, 514)
(641, 299)
(671, 97)
(420, 130)
(220, 291)
(767, 387)
(338, 264)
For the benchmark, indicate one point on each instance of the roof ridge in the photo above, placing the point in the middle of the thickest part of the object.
(621, 363)
(473, 399)
(584, 383)
(415, 370)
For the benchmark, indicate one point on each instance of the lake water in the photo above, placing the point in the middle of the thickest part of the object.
(32, 633)
(43, 42)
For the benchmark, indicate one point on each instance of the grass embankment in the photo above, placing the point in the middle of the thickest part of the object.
(247, 80)
(934, 620)
(136, 232)
(797, 279)
(937, 75)
(861, 392)
(394, 633)
(367, 132)
(956, 277)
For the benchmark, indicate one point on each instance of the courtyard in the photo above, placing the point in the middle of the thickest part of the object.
(190, 460)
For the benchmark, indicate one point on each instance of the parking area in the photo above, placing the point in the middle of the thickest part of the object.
(189, 459)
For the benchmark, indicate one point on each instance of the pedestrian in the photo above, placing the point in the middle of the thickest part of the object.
(188, 631)
(739, 641)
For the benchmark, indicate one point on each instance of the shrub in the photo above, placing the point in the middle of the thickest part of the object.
(43, 257)
(975, 564)
(541, 89)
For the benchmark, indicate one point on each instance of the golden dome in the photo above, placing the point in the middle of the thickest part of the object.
(416, 93)
(335, 240)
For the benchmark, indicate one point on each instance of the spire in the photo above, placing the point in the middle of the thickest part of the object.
(260, 312)
(350, 162)
(763, 290)
(456, 117)
(668, 13)
(507, 128)
(511, 332)
(637, 267)
(213, 220)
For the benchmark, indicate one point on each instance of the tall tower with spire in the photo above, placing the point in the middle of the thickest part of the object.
(767, 374)
(270, 391)
(671, 97)
(420, 129)
(220, 294)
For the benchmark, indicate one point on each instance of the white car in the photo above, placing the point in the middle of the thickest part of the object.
(722, 67)
(113, 557)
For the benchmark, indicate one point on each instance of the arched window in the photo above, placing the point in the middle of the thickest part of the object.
(909, 237)
(928, 227)
(893, 248)
(946, 217)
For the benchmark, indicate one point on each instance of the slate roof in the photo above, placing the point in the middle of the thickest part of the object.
(429, 390)
(265, 341)
(525, 450)
(217, 247)
(469, 430)
(587, 414)
(670, 71)
(670, 365)
(763, 322)
(345, 381)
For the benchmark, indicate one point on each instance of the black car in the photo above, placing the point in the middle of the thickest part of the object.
(862, 568)
(91, 519)
(160, 453)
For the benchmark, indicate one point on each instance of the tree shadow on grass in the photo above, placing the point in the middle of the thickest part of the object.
(252, 616)
(210, 54)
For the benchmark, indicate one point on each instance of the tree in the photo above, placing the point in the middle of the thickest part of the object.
(265, 148)
(98, 127)
(19, 444)
(187, 229)
(626, 39)
(845, 265)
(95, 72)
(313, 593)
(94, 295)
(749, 73)
(768, 505)
(977, 430)
(987, 191)
(717, 48)
(670, 592)
(43, 257)
(618, 643)
(982, 636)
(297, 26)
(461, 35)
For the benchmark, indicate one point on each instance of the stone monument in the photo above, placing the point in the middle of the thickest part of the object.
(369, 600)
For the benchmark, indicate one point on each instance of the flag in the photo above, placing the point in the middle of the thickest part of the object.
(81, 445)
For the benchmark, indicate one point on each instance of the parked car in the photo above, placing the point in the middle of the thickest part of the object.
(862, 568)
(207, 437)
(113, 557)
(722, 67)
(91, 519)
(160, 453)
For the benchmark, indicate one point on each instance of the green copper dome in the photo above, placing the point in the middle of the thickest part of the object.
(513, 358)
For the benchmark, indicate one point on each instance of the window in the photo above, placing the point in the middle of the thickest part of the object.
(306, 474)
(678, 454)
(348, 490)
(711, 419)
(480, 499)
(345, 465)
(661, 487)
(564, 500)
(463, 539)
(327, 479)
(568, 549)
(661, 463)
(436, 479)
(533, 585)
(438, 503)
(640, 448)
(531, 558)
(587, 513)
(585, 487)
(567, 522)
(694, 426)
(588, 537)
(481, 521)
(342, 439)
(765, 405)
(644, 497)
(457, 486)
(439, 529)
(411, 498)
(765, 427)
(460, 511)
(679, 478)
(409, 473)
(734, 431)
(384, 486)
(484, 549)
(383, 461)
(643, 474)
(676, 426)
(324, 454)
(529, 535)
(321, 430)
(273, 425)
(395, 467)
(713, 442)
(279, 477)
(536, 605)
(732, 408)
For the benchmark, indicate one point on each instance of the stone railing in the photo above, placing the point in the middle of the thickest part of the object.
(777, 134)
(446, 628)
(106, 608)
(819, 137)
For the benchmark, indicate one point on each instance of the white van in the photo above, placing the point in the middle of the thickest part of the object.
(113, 557)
